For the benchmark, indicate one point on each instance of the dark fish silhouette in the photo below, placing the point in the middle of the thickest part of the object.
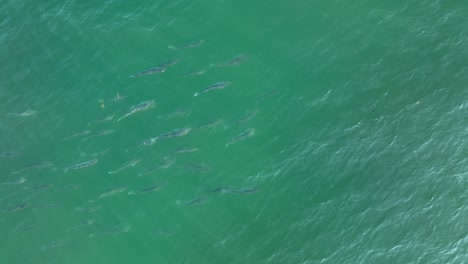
(138, 108)
(82, 165)
(215, 86)
(158, 69)
(195, 201)
(248, 133)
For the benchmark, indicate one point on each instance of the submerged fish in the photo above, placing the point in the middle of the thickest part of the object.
(86, 132)
(219, 190)
(175, 133)
(243, 191)
(16, 208)
(131, 163)
(163, 165)
(201, 168)
(109, 194)
(270, 93)
(9, 154)
(190, 45)
(248, 133)
(183, 150)
(138, 108)
(39, 165)
(214, 86)
(46, 206)
(18, 181)
(193, 73)
(246, 117)
(158, 69)
(153, 188)
(82, 165)
(23, 114)
(195, 201)
(41, 187)
(71, 187)
(234, 61)
(106, 119)
(88, 209)
(100, 133)
(210, 124)
(115, 230)
(81, 224)
(179, 113)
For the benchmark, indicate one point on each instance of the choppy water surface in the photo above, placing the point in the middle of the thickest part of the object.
(324, 132)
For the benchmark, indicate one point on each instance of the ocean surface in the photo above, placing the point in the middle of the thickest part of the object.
(324, 131)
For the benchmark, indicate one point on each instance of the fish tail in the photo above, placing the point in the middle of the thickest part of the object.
(171, 47)
(131, 192)
(196, 94)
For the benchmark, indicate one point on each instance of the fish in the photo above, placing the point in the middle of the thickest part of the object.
(109, 194)
(182, 150)
(71, 187)
(100, 133)
(138, 108)
(153, 188)
(210, 124)
(88, 209)
(81, 224)
(198, 168)
(41, 187)
(23, 114)
(163, 165)
(195, 201)
(19, 181)
(79, 134)
(248, 133)
(105, 119)
(161, 232)
(238, 59)
(158, 69)
(95, 154)
(47, 206)
(214, 86)
(175, 133)
(144, 143)
(82, 165)
(179, 113)
(243, 191)
(16, 208)
(270, 93)
(115, 230)
(9, 154)
(193, 73)
(131, 163)
(192, 44)
(219, 190)
(38, 165)
(246, 117)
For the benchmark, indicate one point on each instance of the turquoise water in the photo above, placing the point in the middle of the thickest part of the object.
(344, 120)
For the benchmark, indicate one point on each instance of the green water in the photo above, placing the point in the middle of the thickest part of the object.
(358, 155)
